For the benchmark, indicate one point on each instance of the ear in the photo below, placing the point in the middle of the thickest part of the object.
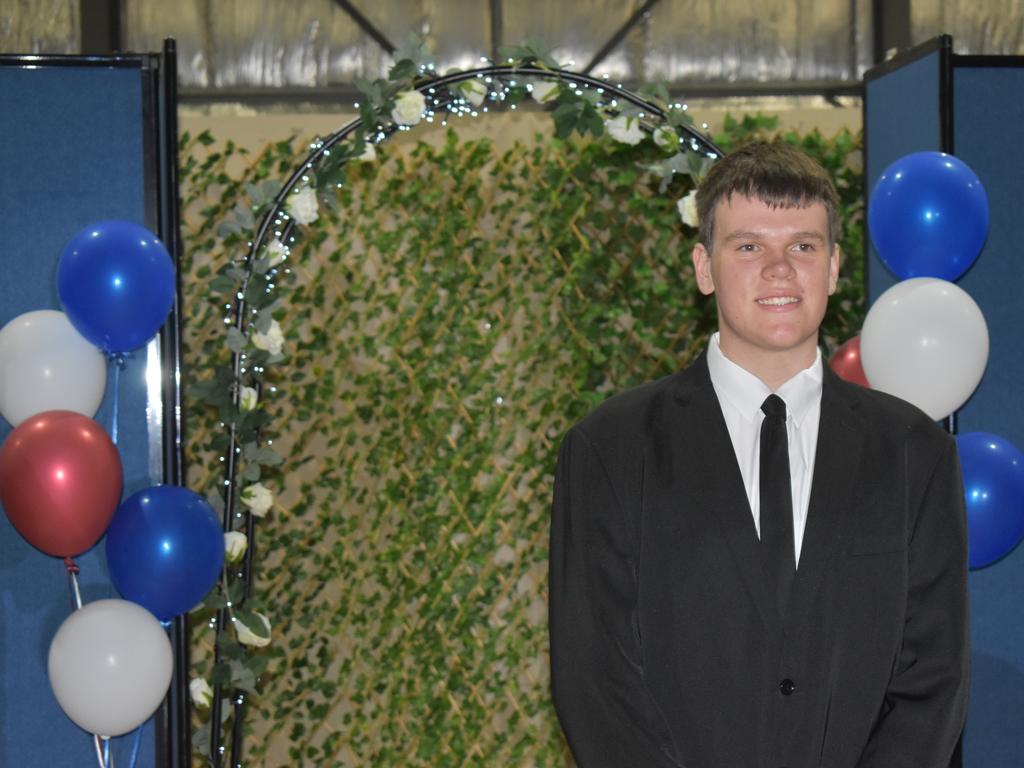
(702, 269)
(833, 269)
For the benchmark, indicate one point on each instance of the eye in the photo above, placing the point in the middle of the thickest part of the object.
(747, 247)
(804, 247)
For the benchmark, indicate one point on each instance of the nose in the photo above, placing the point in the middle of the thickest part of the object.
(777, 265)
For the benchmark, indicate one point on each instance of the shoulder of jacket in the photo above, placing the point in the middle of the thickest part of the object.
(626, 411)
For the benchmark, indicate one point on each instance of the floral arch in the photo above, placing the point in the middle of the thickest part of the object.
(504, 718)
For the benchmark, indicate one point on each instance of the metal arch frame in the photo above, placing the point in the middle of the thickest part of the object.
(703, 143)
(439, 100)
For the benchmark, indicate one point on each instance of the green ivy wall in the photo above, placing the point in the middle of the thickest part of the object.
(446, 322)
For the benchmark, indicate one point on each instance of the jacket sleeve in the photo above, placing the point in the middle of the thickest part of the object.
(925, 704)
(597, 671)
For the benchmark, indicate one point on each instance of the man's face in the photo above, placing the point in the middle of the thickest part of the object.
(772, 271)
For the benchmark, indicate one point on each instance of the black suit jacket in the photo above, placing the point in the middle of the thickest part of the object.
(666, 648)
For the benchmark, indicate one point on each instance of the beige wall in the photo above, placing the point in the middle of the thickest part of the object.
(254, 129)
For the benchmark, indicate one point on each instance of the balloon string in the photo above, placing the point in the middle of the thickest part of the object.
(107, 757)
(136, 743)
(118, 365)
(120, 361)
(73, 569)
(76, 604)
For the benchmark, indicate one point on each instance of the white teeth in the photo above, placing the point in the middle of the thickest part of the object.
(778, 301)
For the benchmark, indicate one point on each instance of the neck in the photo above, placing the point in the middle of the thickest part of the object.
(774, 368)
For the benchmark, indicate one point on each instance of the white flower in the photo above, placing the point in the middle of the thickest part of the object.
(276, 252)
(272, 341)
(303, 207)
(409, 106)
(544, 91)
(258, 498)
(235, 544)
(474, 91)
(200, 692)
(687, 207)
(248, 397)
(369, 153)
(247, 637)
(624, 129)
(667, 138)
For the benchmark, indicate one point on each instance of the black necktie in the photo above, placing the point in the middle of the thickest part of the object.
(776, 500)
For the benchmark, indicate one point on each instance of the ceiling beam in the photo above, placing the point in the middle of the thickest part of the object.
(496, 29)
(101, 28)
(617, 38)
(890, 21)
(364, 24)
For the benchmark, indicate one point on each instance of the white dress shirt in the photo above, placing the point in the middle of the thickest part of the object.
(740, 394)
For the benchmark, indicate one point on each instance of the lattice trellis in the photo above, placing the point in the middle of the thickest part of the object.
(461, 309)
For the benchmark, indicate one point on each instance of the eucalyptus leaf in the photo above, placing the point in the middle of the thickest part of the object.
(413, 50)
(244, 216)
(201, 740)
(270, 188)
(263, 320)
(215, 500)
(242, 677)
(221, 674)
(236, 341)
(656, 92)
(402, 70)
(215, 600)
(228, 227)
(262, 454)
(238, 274)
(236, 591)
(677, 117)
(255, 293)
(222, 284)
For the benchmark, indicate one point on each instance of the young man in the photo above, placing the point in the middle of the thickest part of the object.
(755, 564)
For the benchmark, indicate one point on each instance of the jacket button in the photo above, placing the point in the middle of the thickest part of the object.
(787, 687)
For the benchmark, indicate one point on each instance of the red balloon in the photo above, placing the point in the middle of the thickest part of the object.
(60, 481)
(845, 361)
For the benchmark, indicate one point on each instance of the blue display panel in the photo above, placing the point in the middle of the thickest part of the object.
(74, 152)
(975, 109)
(901, 115)
(987, 114)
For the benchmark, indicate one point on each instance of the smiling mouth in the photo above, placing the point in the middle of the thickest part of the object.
(778, 301)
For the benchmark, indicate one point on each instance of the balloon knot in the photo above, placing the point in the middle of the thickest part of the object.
(70, 565)
(120, 359)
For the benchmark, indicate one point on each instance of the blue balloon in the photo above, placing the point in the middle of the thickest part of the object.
(116, 284)
(928, 216)
(993, 470)
(165, 549)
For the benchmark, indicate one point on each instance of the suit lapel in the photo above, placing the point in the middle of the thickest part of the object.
(840, 440)
(714, 485)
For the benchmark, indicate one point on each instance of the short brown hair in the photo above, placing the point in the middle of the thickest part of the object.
(776, 173)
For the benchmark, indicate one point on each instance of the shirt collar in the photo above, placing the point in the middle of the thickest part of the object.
(745, 392)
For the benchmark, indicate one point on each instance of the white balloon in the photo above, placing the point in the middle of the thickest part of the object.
(925, 340)
(46, 365)
(110, 666)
